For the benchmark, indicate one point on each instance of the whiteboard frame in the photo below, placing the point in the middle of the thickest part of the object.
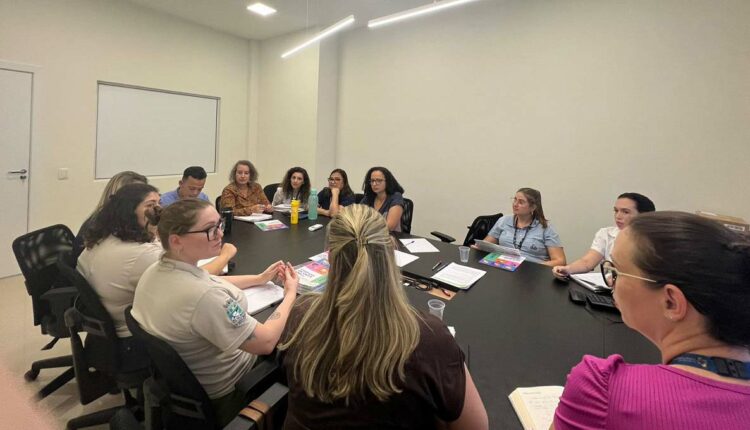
(97, 176)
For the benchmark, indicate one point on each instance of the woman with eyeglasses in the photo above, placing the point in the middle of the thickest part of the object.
(203, 317)
(121, 245)
(528, 230)
(384, 194)
(336, 195)
(244, 195)
(294, 186)
(358, 355)
(627, 206)
(683, 282)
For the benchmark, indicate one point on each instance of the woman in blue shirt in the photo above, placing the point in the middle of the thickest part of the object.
(337, 194)
(384, 194)
(529, 231)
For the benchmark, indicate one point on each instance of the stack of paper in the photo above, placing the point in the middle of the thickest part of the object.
(459, 276)
(402, 258)
(254, 217)
(593, 281)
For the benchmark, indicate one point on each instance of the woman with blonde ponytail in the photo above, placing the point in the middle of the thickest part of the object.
(360, 356)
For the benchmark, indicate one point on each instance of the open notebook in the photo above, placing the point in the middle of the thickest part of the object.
(535, 406)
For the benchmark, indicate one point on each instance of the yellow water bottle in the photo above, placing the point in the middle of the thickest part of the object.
(295, 212)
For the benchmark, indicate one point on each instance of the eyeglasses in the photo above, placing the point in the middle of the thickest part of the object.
(212, 233)
(424, 285)
(518, 201)
(334, 179)
(377, 181)
(610, 274)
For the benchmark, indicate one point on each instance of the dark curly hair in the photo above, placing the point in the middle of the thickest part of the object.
(391, 184)
(286, 184)
(117, 217)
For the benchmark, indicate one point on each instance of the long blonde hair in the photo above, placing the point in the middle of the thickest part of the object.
(356, 337)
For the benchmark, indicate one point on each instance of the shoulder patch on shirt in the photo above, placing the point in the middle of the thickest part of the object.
(235, 313)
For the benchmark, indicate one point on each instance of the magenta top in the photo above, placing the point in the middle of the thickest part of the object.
(607, 393)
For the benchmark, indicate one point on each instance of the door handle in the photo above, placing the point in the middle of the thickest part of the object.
(18, 172)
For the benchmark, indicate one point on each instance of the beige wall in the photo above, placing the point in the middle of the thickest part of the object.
(74, 43)
(581, 100)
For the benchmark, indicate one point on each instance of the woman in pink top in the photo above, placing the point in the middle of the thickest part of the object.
(684, 283)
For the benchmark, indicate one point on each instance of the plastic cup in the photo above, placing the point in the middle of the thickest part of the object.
(436, 307)
(463, 253)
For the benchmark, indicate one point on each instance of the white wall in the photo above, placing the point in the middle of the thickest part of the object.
(288, 99)
(77, 42)
(582, 100)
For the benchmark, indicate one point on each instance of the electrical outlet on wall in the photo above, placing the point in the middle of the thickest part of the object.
(62, 173)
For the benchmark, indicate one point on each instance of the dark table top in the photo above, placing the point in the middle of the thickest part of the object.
(518, 329)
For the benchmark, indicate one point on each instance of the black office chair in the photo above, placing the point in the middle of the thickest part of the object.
(182, 400)
(37, 254)
(217, 203)
(269, 190)
(103, 363)
(477, 230)
(407, 216)
(358, 197)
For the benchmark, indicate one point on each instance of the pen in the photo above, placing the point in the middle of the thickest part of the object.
(436, 265)
(441, 267)
(409, 243)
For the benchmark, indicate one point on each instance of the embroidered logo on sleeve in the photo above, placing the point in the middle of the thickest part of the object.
(235, 313)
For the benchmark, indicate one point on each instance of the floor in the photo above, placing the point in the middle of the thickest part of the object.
(21, 343)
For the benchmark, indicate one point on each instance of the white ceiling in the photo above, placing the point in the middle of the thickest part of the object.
(231, 16)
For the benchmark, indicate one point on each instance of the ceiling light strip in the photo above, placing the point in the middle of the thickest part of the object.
(325, 33)
(411, 13)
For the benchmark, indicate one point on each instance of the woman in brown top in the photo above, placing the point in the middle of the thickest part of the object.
(360, 356)
(244, 194)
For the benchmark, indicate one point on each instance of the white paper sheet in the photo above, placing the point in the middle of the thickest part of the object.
(593, 280)
(224, 270)
(416, 245)
(402, 258)
(262, 296)
(459, 276)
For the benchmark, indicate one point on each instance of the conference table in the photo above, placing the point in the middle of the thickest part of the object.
(517, 329)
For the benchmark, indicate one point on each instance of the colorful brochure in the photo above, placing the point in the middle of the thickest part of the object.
(503, 261)
(269, 225)
(312, 275)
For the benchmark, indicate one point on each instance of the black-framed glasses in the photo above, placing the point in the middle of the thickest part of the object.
(212, 233)
(334, 179)
(610, 274)
(424, 285)
(377, 181)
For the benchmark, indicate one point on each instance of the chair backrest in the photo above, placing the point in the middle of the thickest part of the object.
(481, 227)
(37, 253)
(188, 405)
(358, 197)
(217, 203)
(269, 190)
(407, 216)
(96, 320)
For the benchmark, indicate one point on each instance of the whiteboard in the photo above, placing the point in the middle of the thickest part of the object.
(154, 132)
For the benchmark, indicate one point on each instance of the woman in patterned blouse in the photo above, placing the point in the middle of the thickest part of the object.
(244, 195)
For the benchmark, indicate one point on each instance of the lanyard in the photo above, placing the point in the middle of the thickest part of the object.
(515, 232)
(719, 365)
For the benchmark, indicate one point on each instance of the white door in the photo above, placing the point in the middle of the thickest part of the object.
(15, 141)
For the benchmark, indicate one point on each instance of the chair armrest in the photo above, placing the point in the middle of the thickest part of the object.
(443, 237)
(60, 299)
